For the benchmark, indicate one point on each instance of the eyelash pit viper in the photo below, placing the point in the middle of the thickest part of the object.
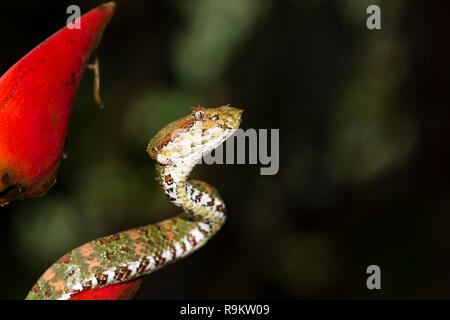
(124, 256)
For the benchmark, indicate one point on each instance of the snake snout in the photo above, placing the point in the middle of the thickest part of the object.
(234, 117)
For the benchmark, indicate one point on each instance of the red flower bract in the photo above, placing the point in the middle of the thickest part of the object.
(36, 99)
(121, 291)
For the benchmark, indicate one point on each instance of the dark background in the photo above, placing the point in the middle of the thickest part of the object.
(364, 145)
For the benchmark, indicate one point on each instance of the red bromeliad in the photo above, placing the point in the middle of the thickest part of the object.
(36, 99)
(121, 291)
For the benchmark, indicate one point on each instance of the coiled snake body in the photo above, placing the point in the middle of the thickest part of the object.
(177, 148)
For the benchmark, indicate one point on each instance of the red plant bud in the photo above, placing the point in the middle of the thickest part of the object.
(36, 99)
(121, 291)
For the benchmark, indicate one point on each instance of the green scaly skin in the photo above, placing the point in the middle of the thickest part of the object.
(124, 256)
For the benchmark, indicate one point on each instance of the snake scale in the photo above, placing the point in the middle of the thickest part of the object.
(123, 256)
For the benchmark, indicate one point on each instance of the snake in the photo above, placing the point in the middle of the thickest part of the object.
(130, 254)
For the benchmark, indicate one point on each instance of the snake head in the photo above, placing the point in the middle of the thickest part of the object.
(194, 135)
(226, 117)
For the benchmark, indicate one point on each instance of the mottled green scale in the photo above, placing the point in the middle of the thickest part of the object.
(200, 185)
(155, 239)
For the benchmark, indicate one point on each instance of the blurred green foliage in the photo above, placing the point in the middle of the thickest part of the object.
(344, 197)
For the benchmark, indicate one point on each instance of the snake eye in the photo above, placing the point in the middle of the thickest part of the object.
(199, 115)
(215, 118)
